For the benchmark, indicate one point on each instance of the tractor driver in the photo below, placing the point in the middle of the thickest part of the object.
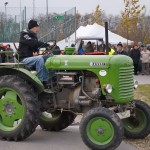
(29, 48)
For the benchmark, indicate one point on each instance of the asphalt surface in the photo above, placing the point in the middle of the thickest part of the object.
(142, 79)
(68, 139)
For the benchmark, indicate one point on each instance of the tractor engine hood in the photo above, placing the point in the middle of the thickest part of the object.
(87, 62)
(77, 62)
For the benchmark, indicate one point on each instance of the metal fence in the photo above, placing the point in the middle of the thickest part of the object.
(55, 23)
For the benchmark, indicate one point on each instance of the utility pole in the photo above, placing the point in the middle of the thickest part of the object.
(6, 3)
(47, 12)
(33, 9)
(20, 18)
(75, 24)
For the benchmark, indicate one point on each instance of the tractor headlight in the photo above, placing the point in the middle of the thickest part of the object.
(136, 84)
(108, 88)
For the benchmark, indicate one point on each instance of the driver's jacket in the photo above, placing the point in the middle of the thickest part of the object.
(28, 44)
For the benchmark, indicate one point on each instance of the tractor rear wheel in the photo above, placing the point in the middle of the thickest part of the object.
(56, 120)
(19, 111)
(101, 129)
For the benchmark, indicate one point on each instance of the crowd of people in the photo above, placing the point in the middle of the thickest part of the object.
(139, 53)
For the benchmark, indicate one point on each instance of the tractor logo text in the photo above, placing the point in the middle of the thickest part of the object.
(97, 64)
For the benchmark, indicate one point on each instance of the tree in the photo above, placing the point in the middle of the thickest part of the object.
(97, 16)
(129, 18)
(78, 19)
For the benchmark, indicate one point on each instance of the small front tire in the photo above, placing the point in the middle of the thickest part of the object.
(101, 129)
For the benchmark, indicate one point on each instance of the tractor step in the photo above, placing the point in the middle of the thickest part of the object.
(48, 91)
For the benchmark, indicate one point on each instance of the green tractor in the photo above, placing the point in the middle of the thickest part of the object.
(99, 87)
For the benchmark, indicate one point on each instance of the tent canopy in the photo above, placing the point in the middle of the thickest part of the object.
(95, 31)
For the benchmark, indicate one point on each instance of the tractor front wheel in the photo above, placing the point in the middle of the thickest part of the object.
(138, 126)
(101, 129)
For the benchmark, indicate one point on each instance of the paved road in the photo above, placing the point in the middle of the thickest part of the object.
(143, 79)
(68, 139)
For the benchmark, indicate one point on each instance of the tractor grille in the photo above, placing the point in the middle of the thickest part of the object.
(126, 82)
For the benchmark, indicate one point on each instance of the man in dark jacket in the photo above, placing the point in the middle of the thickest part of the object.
(29, 48)
(135, 55)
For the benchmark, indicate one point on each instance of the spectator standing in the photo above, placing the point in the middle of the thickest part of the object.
(145, 58)
(141, 48)
(2, 55)
(55, 48)
(102, 47)
(10, 57)
(135, 55)
(120, 50)
(89, 47)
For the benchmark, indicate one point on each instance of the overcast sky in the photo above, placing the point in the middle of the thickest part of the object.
(109, 6)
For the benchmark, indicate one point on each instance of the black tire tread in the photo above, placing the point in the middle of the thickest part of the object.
(61, 123)
(109, 115)
(30, 99)
(146, 131)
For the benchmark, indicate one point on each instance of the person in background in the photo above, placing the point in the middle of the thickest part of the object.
(111, 50)
(89, 47)
(114, 47)
(10, 57)
(55, 48)
(120, 50)
(135, 55)
(72, 45)
(81, 50)
(141, 48)
(2, 55)
(145, 58)
(126, 48)
(102, 47)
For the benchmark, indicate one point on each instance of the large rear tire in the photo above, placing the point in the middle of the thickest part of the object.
(56, 120)
(101, 129)
(138, 127)
(19, 113)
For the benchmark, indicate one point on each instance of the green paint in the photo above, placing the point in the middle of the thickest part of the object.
(100, 131)
(119, 70)
(136, 125)
(33, 77)
(11, 110)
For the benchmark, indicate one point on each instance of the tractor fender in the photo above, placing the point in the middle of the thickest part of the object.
(24, 74)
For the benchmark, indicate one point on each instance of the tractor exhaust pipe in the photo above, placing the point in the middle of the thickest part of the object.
(106, 37)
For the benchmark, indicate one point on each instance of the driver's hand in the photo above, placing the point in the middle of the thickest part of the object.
(35, 54)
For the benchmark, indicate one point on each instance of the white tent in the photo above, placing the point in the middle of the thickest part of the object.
(95, 31)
